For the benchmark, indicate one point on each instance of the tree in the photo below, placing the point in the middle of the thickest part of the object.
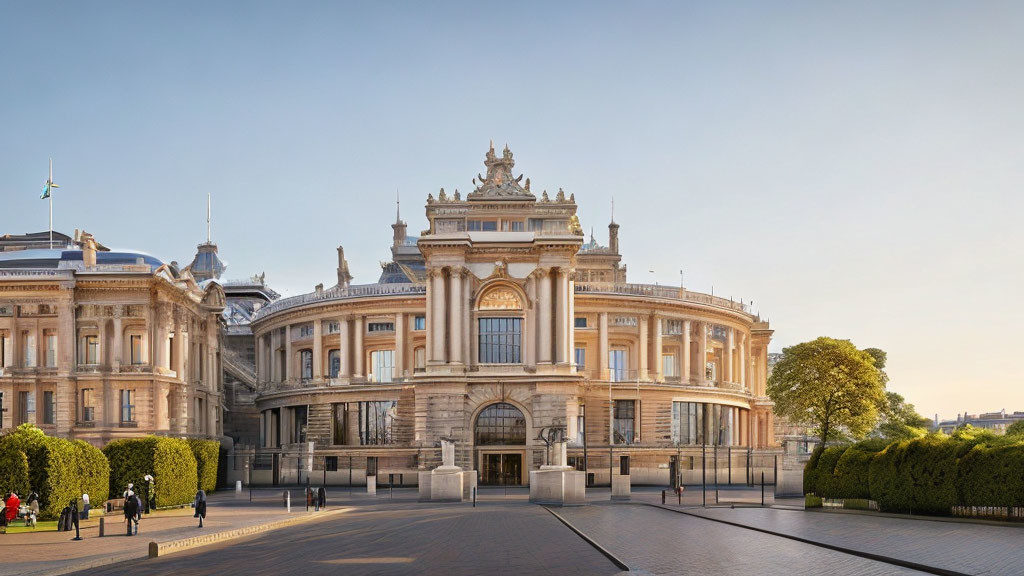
(900, 420)
(1016, 429)
(828, 384)
(880, 357)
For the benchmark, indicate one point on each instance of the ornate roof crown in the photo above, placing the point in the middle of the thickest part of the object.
(499, 182)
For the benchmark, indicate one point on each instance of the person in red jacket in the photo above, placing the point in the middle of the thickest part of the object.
(13, 503)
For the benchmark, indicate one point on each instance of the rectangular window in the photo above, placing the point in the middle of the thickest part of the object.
(581, 322)
(482, 225)
(333, 327)
(668, 365)
(27, 402)
(135, 344)
(534, 224)
(49, 407)
(91, 349)
(331, 463)
(686, 423)
(306, 361)
(710, 373)
(306, 331)
(629, 321)
(334, 363)
(339, 418)
(617, 367)
(672, 327)
(88, 411)
(380, 327)
(382, 365)
(512, 225)
(128, 405)
(419, 323)
(623, 425)
(3, 350)
(376, 420)
(421, 357)
(371, 466)
(50, 341)
(581, 358)
(581, 425)
(299, 421)
(624, 465)
(499, 341)
(29, 341)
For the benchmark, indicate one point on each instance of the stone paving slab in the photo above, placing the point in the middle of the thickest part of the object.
(665, 542)
(960, 547)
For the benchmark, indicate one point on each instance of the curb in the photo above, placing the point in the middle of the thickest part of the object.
(159, 549)
(870, 556)
(615, 560)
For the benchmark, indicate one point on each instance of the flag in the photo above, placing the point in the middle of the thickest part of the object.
(46, 191)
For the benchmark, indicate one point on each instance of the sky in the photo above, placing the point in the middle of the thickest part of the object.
(854, 168)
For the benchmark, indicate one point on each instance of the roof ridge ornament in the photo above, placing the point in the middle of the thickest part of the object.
(499, 182)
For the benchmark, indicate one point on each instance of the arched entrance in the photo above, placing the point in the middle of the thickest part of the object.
(498, 428)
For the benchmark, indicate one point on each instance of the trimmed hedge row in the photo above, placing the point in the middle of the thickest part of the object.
(13, 471)
(926, 475)
(207, 454)
(169, 460)
(60, 470)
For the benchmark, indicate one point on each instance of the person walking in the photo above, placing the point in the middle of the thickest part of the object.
(13, 503)
(33, 509)
(321, 498)
(131, 510)
(85, 506)
(200, 506)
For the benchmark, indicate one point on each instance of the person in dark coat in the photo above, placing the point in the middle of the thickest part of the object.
(321, 497)
(200, 506)
(131, 511)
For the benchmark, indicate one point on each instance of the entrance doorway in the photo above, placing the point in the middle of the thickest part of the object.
(501, 470)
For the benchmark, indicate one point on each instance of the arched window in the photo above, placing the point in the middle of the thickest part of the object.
(500, 424)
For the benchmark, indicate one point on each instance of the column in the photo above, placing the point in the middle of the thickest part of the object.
(260, 372)
(103, 352)
(530, 340)
(67, 338)
(318, 349)
(455, 311)
(438, 316)
(561, 312)
(571, 332)
(275, 357)
(658, 367)
(345, 352)
(602, 335)
(743, 359)
(357, 349)
(702, 352)
(400, 345)
(179, 350)
(685, 366)
(288, 371)
(729, 345)
(544, 318)
(643, 351)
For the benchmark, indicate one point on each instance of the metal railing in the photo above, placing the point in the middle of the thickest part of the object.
(658, 291)
(360, 291)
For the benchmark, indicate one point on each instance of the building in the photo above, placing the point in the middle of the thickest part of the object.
(98, 344)
(997, 422)
(500, 328)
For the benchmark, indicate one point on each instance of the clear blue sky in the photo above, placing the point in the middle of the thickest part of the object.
(854, 168)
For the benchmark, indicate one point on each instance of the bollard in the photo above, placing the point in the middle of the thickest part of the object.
(474, 496)
(101, 527)
(679, 493)
(238, 486)
(288, 500)
(662, 497)
(762, 488)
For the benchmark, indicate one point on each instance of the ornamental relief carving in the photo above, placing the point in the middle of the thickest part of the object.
(500, 299)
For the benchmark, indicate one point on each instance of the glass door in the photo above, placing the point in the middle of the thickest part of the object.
(501, 470)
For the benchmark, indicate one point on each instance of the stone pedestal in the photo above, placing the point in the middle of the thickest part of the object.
(424, 486)
(446, 484)
(468, 483)
(558, 486)
(620, 487)
(371, 485)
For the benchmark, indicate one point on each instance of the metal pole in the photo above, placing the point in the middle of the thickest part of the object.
(762, 488)
(325, 471)
(704, 474)
(586, 466)
(716, 474)
(729, 458)
(350, 475)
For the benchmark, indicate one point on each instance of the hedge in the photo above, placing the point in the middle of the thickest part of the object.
(851, 471)
(207, 454)
(169, 460)
(821, 477)
(13, 471)
(60, 470)
(991, 476)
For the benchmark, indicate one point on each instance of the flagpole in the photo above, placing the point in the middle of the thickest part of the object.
(50, 194)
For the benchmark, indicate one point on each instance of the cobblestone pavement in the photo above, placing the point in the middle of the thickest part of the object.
(663, 542)
(400, 538)
(961, 547)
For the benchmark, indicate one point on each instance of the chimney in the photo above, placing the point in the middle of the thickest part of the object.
(613, 237)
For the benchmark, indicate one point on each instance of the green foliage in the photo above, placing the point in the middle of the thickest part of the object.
(169, 460)
(825, 480)
(856, 504)
(13, 470)
(1015, 429)
(812, 501)
(60, 470)
(880, 358)
(207, 454)
(900, 420)
(828, 384)
(851, 471)
(916, 476)
(992, 475)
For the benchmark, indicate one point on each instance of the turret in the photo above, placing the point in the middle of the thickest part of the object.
(613, 237)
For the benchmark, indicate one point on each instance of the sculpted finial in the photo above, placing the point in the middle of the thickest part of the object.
(441, 196)
(527, 185)
(560, 197)
(457, 198)
(430, 198)
(572, 198)
(544, 197)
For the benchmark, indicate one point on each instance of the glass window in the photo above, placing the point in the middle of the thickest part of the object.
(617, 364)
(50, 340)
(333, 327)
(686, 426)
(30, 349)
(625, 411)
(49, 407)
(421, 357)
(581, 424)
(581, 358)
(3, 350)
(128, 405)
(668, 365)
(581, 322)
(419, 323)
(382, 365)
(88, 410)
(710, 372)
(334, 363)
(482, 225)
(380, 327)
(340, 420)
(306, 331)
(28, 407)
(512, 225)
(306, 361)
(299, 414)
(500, 340)
(672, 327)
(136, 348)
(500, 424)
(91, 349)
(376, 420)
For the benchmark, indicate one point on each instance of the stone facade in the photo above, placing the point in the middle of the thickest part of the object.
(504, 326)
(98, 345)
